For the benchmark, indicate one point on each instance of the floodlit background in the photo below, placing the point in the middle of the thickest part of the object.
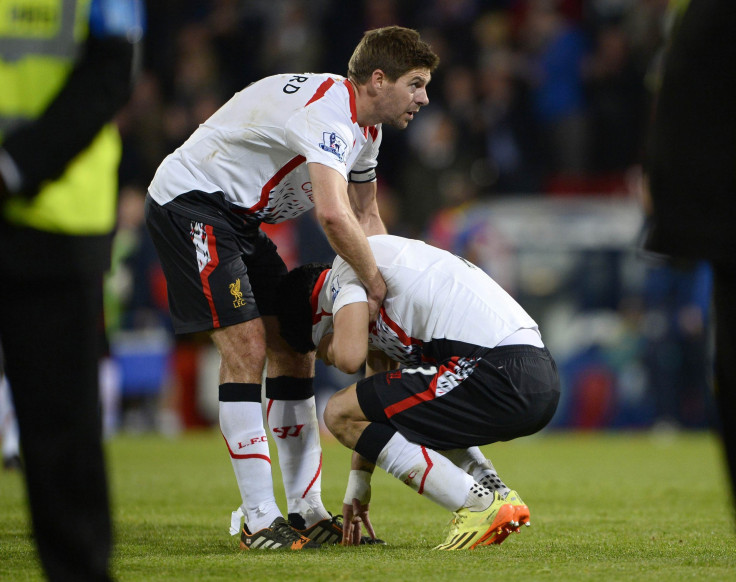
(528, 161)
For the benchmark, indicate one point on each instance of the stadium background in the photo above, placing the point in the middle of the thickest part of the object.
(527, 161)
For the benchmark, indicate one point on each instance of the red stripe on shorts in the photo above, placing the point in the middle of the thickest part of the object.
(429, 394)
(207, 271)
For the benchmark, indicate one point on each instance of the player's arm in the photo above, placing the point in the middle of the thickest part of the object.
(377, 361)
(364, 202)
(344, 232)
(347, 347)
(357, 501)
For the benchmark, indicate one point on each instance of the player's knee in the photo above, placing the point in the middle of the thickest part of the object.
(290, 363)
(331, 416)
(242, 351)
(335, 417)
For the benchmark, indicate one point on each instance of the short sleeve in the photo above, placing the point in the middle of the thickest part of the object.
(368, 158)
(322, 134)
(345, 286)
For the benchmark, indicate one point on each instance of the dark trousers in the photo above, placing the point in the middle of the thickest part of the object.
(724, 299)
(50, 334)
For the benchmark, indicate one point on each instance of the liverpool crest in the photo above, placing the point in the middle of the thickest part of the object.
(237, 294)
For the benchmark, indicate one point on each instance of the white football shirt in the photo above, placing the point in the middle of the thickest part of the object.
(256, 147)
(432, 294)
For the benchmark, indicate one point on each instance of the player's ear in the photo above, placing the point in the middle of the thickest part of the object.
(378, 79)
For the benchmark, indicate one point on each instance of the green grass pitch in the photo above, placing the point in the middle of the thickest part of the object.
(604, 506)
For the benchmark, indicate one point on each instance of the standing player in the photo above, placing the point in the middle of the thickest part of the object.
(278, 148)
(475, 372)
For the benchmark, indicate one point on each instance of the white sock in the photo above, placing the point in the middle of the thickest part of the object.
(241, 424)
(294, 427)
(473, 462)
(427, 472)
(478, 498)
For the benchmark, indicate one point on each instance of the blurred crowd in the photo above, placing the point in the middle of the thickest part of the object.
(531, 97)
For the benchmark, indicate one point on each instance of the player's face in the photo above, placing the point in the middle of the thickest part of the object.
(401, 100)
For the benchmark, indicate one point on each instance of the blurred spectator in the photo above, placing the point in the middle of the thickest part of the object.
(437, 150)
(616, 102)
(676, 335)
(141, 128)
(528, 90)
(556, 48)
(293, 37)
(512, 152)
(238, 31)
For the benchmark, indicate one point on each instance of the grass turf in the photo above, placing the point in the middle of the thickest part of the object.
(605, 506)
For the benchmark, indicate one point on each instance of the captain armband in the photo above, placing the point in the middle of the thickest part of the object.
(361, 176)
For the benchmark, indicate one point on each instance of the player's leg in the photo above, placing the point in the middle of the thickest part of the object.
(209, 290)
(291, 414)
(424, 470)
(474, 462)
(480, 516)
(291, 411)
(242, 350)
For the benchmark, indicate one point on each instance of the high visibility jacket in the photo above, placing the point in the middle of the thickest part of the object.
(40, 42)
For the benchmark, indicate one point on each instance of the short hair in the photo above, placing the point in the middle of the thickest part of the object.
(294, 308)
(393, 49)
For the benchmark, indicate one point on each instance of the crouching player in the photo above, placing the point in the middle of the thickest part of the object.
(474, 371)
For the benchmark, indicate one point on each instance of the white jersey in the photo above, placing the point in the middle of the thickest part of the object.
(255, 148)
(432, 295)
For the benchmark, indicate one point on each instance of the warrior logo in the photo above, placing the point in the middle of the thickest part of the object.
(288, 431)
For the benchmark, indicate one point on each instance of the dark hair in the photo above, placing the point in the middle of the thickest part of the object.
(395, 50)
(294, 308)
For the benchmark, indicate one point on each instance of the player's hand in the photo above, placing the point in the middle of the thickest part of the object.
(376, 295)
(354, 516)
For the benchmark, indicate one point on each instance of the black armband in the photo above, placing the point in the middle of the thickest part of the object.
(362, 176)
